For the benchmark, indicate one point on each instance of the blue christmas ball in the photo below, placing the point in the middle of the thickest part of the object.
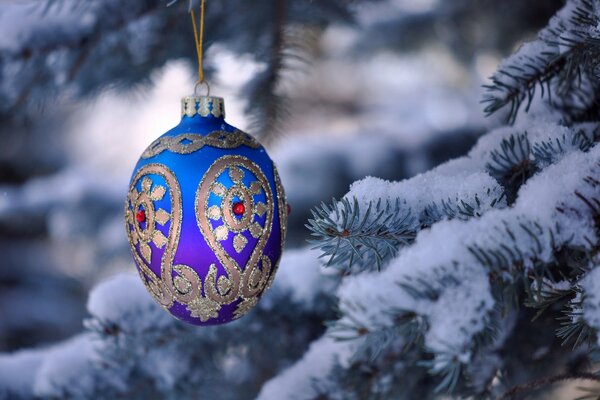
(206, 217)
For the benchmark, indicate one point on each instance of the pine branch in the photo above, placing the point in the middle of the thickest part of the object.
(511, 164)
(448, 367)
(547, 152)
(347, 235)
(514, 243)
(575, 329)
(545, 294)
(449, 209)
(565, 54)
(51, 59)
(538, 71)
(517, 159)
(510, 254)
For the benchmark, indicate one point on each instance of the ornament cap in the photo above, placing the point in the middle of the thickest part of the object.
(204, 106)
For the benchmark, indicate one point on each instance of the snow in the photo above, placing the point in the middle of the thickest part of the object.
(427, 188)
(377, 11)
(521, 57)
(70, 364)
(301, 275)
(17, 372)
(541, 196)
(464, 299)
(538, 130)
(562, 22)
(42, 194)
(298, 380)
(459, 309)
(539, 221)
(558, 38)
(462, 178)
(62, 367)
(123, 299)
(462, 306)
(165, 367)
(45, 373)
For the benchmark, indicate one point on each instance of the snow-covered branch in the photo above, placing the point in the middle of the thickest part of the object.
(134, 349)
(448, 284)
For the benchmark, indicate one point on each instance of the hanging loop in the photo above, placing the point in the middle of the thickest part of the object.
(200, 84)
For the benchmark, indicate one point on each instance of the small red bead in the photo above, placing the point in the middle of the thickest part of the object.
(289, 209)
(239, 208)
(140, 216)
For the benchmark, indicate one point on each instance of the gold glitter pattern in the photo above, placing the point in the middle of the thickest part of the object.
(187, 143)
(160, 232)
(282, 207)
(144, 202)
(239, 242)
(244, 306)
(256, 230)
(204, 308)
(178, 282)
(246, 282)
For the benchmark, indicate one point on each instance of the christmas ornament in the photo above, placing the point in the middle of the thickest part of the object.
(206, 215)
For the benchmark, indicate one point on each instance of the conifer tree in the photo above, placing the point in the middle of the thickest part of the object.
(450, 273)
(476, 279)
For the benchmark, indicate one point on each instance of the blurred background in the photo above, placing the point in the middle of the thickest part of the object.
(337, 90)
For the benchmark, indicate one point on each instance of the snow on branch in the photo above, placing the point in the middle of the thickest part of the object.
(134, 349)
(376, 217)
(533, 228)
(561, 63)
(299, 381)
(439, 293)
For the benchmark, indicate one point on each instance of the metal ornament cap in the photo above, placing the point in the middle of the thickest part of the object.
(203, 106)
(201, 261)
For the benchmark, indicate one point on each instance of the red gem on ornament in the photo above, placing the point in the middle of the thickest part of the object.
(140, 216)
(239, 208)
(289, 209)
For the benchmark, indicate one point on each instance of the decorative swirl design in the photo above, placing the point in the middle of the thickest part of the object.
(186, 284)
(248, 282)
(230, 180)
(282, 208)
(187, 143)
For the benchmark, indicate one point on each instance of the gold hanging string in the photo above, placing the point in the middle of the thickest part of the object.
(199, 39)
